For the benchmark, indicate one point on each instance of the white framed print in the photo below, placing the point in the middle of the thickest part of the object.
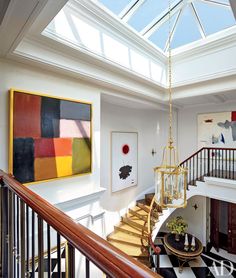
(124, 160)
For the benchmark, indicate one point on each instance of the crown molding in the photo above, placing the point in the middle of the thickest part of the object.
(47, 53)
(205, 78)
(32, 51)
(93, 57)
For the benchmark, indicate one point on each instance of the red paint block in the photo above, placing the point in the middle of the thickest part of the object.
(26, 116)
(233, 116)
(44, 147)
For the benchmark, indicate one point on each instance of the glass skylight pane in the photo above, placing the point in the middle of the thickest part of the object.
(62, 26)
(86, 34)
(116, 6)
(214, 17)
(187, 30)
(139, 63)
(121, 55)
(160, 37)
(147, 12)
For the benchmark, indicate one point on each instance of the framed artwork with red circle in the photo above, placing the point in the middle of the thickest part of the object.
(124, 153)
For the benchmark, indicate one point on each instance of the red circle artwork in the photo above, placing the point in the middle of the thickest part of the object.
(125, 149)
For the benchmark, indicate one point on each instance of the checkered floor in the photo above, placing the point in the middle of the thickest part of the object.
(54, 273)
(207, 265)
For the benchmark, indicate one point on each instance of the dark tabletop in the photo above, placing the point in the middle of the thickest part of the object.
(178, 246)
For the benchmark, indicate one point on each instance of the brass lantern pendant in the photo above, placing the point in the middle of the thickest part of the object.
(170, 180)
(170, 177)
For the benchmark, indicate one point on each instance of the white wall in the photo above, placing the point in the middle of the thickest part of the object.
(20, 76)
(196, 219)
(152, 133)
(187, 125)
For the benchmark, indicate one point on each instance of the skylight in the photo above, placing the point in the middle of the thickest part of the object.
(191, 20)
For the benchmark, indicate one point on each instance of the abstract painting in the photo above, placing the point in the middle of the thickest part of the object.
(217, 130)
(124, 148)
(49, 137)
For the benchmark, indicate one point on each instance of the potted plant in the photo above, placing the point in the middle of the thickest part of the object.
(177, 226)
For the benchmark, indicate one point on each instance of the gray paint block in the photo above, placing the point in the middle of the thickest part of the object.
(75, 111)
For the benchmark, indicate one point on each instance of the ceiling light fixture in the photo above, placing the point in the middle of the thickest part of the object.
(170, 177)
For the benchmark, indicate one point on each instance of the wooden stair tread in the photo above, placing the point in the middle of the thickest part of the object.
(143, 207)
(139, 224)
(134, 217)
(120, 236)
(139, 210)
(130, 250)
(128, 228)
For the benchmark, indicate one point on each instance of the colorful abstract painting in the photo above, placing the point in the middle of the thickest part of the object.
(124, 160)
(217, 130)
(49, 137)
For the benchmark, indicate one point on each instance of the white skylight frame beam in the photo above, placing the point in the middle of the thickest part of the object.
(199, 24)
(161, 19)
(130, 9)
(215, 2)
(173, 30)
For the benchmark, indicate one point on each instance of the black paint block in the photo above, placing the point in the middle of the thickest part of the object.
(50, 115)
(23, 159)
(75, 110)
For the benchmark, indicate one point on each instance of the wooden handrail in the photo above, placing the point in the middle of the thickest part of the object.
(206, 148)
(108, 258)
(191, 156)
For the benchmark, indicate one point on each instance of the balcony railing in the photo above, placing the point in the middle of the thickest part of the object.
(213, 162)
(29, 225)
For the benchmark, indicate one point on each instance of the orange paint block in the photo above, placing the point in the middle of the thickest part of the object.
(62, 146)
(45, 168)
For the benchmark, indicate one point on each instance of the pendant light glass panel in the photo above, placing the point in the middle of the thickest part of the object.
(170, 181)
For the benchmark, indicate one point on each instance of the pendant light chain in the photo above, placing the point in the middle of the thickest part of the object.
(170, 176)
(170, 76)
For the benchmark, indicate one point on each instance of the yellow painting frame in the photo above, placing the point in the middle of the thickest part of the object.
(12, 92)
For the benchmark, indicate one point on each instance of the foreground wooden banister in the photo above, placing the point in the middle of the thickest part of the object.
(108, 258)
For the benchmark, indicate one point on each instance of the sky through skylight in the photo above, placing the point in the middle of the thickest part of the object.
(191, 20)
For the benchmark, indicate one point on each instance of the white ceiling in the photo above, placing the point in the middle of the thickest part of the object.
(25, 19)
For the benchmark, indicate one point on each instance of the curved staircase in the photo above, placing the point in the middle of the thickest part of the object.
(131, 234)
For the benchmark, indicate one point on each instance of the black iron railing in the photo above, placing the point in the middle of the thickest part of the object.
(214, 162)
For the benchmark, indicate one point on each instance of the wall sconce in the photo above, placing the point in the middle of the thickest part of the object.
(195, 206)
(153, 152)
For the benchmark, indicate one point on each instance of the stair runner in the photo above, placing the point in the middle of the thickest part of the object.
(131, 233)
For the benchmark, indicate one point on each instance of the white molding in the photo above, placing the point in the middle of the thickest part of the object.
(33, 52)
(147, 90)
(96, 56)
(205, 78)
(86, 198)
